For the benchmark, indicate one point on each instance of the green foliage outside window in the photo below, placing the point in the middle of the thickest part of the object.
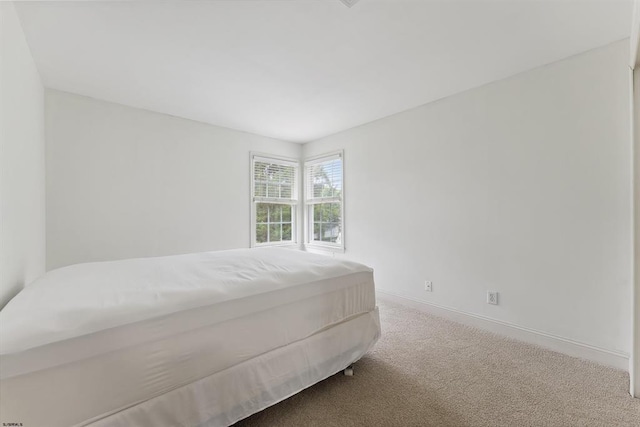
(273, 222)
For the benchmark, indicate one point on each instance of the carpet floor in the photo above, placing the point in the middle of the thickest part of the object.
(428, 371)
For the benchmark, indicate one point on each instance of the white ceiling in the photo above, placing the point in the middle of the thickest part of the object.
(300, 70)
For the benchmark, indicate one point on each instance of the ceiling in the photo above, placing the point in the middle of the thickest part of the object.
(299, 70)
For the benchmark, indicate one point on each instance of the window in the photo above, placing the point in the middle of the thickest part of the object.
(274, 188)
(324, 201)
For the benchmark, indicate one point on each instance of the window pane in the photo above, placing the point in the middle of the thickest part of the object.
(326, 229)
(261, 233)
(286, 213)
(334, 212)
(286, 232)
(275, 214)
(327, 224)
(261, 212)
(272, 213)
(331, 232)
(275, 232)
(326, 212)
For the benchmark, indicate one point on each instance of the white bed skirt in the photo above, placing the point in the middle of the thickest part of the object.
(244, 389)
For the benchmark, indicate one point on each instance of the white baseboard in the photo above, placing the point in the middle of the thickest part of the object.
(549, 341)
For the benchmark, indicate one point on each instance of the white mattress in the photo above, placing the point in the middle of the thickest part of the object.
(90, 340)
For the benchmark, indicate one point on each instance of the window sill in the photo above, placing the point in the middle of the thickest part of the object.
(293, 245)
(324, 249)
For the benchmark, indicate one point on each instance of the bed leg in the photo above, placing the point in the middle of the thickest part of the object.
(348, 371)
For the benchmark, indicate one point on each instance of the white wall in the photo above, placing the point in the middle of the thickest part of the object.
(124, 182)
(521, 186)
(22, 164)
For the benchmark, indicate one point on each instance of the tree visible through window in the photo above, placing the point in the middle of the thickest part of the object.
(273, 223)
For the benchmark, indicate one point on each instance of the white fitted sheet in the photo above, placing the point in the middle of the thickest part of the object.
(93, 339)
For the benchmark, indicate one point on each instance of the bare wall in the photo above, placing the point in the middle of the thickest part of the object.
(124, 182)
(22, 163)
(521, 186)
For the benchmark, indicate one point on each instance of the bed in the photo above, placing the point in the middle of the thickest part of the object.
(201, 339)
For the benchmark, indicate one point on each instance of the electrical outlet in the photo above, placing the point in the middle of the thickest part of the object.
(428, 286)
(492, 297)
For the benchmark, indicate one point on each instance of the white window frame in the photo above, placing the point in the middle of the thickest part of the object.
(293, 202)
(309, 201)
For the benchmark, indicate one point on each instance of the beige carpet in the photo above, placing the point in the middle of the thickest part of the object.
(427, 371)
